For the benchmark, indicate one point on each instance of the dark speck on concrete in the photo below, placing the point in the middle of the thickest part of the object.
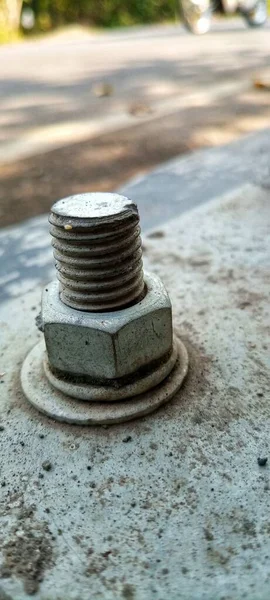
(262, 461)
(2, 428)
(39, 322)
(128, 592)
(41, 436)
(47, 465)
(208, 534)
(127, 439)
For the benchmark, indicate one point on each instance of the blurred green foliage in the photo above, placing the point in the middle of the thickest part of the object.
(49, 14)
(103, 13)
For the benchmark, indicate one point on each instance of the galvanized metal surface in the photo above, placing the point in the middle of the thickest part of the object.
(111, 344)
(97, 406)
(115, 357)
(174, 505)
(97, 251)
(107, 346)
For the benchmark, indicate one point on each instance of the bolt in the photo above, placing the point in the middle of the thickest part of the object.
(98, 253)
(107, 326)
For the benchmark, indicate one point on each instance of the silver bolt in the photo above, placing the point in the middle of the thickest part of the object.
(109, 352)
(97, 249)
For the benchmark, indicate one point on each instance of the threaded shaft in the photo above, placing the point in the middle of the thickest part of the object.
(97, 250)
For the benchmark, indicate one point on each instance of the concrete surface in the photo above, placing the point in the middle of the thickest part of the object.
(50, 88)
(170, 190)
(174, 505)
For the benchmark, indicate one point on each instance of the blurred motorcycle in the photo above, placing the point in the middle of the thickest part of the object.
(197, 14)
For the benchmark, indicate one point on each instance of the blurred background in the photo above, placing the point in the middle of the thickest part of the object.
(94, 92)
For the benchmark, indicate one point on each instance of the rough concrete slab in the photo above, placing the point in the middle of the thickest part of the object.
(173, 505)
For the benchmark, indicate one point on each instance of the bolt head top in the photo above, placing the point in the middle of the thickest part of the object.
(95, 207)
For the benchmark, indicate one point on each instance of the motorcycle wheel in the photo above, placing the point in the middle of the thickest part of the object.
(257, 16)
(196, 15)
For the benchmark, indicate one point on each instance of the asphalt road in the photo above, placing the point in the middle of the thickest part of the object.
(55, 81)
(169, 93)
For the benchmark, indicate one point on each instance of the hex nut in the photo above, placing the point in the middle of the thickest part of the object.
(111, 345)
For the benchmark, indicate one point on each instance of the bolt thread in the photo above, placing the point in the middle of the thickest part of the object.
(98, 258)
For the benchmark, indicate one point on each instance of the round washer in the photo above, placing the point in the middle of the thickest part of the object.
(48, 400)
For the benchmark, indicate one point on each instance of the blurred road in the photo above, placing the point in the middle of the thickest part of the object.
(50, 92)
(82, 112)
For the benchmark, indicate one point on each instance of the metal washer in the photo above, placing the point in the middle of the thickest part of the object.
(53, 403)
(111, 393)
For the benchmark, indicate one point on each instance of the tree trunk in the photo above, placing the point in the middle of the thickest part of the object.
(10, 13)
